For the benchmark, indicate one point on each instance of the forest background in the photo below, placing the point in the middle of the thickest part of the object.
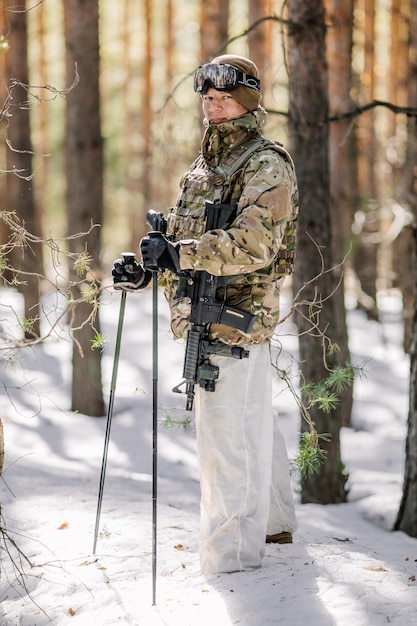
(100, 120)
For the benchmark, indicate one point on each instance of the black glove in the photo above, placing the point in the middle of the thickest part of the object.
(128, 274)
(159, 253)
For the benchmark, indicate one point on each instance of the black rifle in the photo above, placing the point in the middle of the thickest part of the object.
(208, 306)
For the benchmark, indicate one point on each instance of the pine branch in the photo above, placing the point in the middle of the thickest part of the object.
(310, 456)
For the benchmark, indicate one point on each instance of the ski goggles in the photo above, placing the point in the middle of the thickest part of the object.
(223, 78)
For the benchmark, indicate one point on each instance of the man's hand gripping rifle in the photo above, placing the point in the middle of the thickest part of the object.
(208, 306)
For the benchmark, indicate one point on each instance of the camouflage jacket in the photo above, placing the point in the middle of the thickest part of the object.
(252, 254)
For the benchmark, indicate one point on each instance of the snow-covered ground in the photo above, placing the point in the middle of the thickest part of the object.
(345, 567)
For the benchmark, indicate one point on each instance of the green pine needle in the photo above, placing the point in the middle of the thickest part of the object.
(318, 394)
(89, 295)
(170, 422)
(341, 377)
(99, 342)
(325, 401)
(82, 264)
(310, 456)
(28, 324)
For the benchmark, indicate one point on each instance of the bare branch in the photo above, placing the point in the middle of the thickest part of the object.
(33, 99)
(87, 286)
(408, 111)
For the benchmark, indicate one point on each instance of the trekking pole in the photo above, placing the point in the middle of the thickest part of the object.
(154, 426)
(109, 414)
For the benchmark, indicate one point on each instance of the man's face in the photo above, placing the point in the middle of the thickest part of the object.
(220, 106)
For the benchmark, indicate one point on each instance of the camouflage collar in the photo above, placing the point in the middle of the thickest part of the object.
(220, 139)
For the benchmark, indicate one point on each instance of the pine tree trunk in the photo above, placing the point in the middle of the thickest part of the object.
(138, 224)
(365, 255)
(403, 90)
(309, 145)
(1, 464)
(407, 515)
(260, 41)
(27, 260)
(42, 114)
(130, 216)
(84, 171)
(342, 187)
(1, 447)
(4, 27)
(214, 22)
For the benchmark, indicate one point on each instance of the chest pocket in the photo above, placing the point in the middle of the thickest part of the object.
(187, 218)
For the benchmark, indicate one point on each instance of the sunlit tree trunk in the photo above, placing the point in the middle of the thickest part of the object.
(84, 193)
(343, 192)
(214, 26)
(4, 202)
(133, 208)
(21, 197)
(367, 223)
(42, 113)
(138, 221)
(260, 41)
(169, 147)
(407, 515)
(1, 462)
(309, 136)
(403, 246)
(214, 21)
(398, 76)
(342, 178)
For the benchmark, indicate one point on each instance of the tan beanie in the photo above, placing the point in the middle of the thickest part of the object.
(246, 96)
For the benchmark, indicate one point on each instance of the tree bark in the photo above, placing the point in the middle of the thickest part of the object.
(1, 462)
(28, 258)
(407, 514)
(260, 42)
(366, 250)
(4, 28)
(403, 92)
(309, 136)
(342, 175)
(84, 193)
(138, 222)
(214, 22)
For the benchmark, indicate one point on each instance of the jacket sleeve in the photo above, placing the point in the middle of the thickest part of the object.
(253, 239)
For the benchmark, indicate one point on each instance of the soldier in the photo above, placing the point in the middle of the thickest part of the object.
(246, 496)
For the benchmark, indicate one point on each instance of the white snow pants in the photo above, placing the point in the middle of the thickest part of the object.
(244, 471)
